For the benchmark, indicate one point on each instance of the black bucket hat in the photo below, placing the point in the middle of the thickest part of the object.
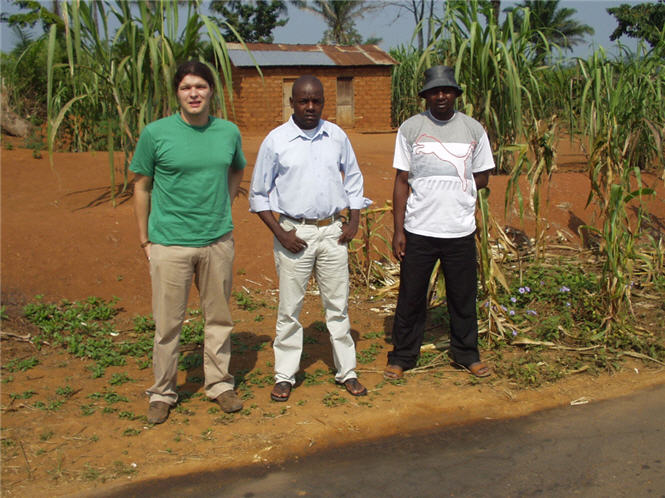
(437, 76)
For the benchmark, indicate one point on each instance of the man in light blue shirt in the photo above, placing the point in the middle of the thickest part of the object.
(305, 175)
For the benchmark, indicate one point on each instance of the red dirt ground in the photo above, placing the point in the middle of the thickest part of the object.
(62, 239)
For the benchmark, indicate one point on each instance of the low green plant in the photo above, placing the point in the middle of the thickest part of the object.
(65, 391)
(333, 398)
(46, 435)
(21, 365)
(246, 301)
(320, 326)
(87, 410)
(90, 473)
(119, 379)
(23, 395)
(224, 419)
(122, 469)
(111, 397)
(192, 332)
(368, 355)
(126, 414)
(190, 361)
(317, 377)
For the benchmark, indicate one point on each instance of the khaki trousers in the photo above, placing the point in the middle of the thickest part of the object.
(171, 270)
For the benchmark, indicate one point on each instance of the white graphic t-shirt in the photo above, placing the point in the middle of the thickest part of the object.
(441, 158)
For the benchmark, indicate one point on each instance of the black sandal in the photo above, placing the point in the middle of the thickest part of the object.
(281, 391)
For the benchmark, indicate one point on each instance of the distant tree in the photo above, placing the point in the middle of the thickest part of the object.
(340, 17)
(423, 13)
(555, 24)
(36, 12)
(254, 21)
(644, 21)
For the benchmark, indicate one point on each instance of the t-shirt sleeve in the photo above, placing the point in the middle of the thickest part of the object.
(239, 160)
(402, 158)
(482, 155)
(143, 161)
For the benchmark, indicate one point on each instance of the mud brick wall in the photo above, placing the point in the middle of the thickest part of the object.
(258, 103)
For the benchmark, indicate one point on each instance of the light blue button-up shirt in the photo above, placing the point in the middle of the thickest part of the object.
(303, 177)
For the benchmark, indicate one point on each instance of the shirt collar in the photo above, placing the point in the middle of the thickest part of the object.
(441, 121)
(295, 131)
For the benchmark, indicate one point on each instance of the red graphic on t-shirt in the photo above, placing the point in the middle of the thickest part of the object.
(426, 144)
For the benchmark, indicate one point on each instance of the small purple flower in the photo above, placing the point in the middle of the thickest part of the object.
(504, 308)
(486, 304)
(522, 290)
(514, 333)
(531, 312)
(513, 299)
(528, 289)
(564, 289)
(511, 312)
(568, 303)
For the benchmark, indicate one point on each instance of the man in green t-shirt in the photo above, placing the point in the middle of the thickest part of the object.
(188, 170)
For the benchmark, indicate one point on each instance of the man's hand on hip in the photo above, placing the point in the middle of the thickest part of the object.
(291, 242)
(348, 231)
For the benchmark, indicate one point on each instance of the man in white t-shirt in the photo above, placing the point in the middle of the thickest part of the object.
(442, 158)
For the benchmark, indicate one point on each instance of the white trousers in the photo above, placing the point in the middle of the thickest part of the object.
(329, 261)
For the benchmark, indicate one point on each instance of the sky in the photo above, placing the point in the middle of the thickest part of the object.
(395, 26)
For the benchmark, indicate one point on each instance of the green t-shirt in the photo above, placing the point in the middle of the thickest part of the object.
(189, 165)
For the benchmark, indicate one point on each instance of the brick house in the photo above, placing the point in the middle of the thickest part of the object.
(356, 83)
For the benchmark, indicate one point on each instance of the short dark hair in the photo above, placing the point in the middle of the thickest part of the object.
(197, 69)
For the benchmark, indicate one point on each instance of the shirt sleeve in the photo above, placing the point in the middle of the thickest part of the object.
(238, 161)
(402, 158)
(482, 155)
(143, 161)
(353, 178)
(263, 178)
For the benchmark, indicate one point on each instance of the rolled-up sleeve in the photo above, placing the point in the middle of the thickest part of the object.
(353, 178)
(263, 178)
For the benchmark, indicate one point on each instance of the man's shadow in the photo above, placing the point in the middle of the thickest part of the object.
(245, 347)
(437, 326)
(318, 347)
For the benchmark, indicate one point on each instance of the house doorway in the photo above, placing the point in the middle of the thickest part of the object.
(287, 86)
(345, 102)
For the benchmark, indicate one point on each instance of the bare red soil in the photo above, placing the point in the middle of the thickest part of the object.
(62, 238)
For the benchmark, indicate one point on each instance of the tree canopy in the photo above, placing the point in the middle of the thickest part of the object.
(340, 17)
(253, 21)
(644, 21)
(550, 24)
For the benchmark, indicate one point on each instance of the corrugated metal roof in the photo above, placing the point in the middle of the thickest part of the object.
(281, 54)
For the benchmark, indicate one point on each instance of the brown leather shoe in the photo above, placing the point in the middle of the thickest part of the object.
(229, 401)
(158, 412)
(354, 387)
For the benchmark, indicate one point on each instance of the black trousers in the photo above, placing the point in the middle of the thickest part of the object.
(458, 261)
